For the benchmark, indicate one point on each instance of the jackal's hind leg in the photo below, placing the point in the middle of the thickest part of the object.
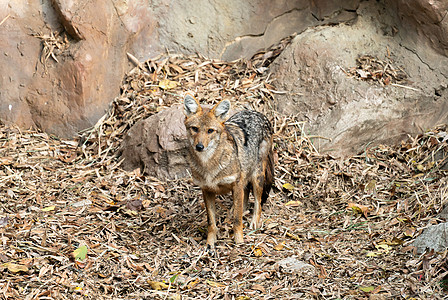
(262, 183)
(257, 184)
(268, 177)
(238, 210)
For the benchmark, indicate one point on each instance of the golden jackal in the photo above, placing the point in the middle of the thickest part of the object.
(229, 155)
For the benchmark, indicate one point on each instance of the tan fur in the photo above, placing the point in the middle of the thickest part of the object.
(221, 163)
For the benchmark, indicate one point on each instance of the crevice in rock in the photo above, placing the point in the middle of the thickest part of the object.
(119, 16)
(418, 56)
(66, 22)
(239, 38)
(443, 19)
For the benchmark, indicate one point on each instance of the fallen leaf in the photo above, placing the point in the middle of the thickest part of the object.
(80, 253)
(259, 287)
(49, 208)
(275, 288)
(363, 74)
(366, 289)
(293, 236)
(373, 254)
(6, 160)
(176, 68)
(246, 81)
(158, 286)
(82, 203)
(146, 203)
(371, 186)
(288, 186)
(174, 297)
(409, 231)
(215, 284)
(293, 203)
(167, 84)
(383, 247)
(404, 220)
(395, 242)
(173, 278)
(15, 268)
(358, 208)
(280, 246)
(193, 283)
(258, 252)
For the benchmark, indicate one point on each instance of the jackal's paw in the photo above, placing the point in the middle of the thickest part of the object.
(210, 250)
(211, 240)
(255, 224)
(239, 238)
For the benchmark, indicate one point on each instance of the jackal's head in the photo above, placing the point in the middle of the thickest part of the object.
(204, 126)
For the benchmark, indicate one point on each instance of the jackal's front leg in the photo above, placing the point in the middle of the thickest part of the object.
(238, 210)
(209, 199)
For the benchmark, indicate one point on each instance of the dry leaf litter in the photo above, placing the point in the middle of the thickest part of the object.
(74, 224)
(370, 68)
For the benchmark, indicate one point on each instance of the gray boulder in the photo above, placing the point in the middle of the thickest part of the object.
(434, 237)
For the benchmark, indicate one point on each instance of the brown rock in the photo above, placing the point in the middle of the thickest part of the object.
(59, 81)
(426, 21)
(157, 145)
(356, 114)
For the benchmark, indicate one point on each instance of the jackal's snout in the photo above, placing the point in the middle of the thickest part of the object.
(199, 147)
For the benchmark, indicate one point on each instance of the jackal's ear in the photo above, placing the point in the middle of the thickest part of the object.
(191, 106)
(221, 110)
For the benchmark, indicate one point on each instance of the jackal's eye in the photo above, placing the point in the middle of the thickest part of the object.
(194, 128)
(210, 130)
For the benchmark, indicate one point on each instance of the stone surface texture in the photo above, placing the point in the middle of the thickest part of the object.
(157, 145)
(434, 237)
(292, 265)
(69, 90)
(355, 114)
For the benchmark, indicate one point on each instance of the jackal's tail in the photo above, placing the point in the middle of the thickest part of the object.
(268, 177)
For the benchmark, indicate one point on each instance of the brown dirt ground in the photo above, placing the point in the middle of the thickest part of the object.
(352, 219)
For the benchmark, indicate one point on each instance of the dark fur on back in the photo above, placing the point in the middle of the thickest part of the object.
(254, 125)
(255, 128)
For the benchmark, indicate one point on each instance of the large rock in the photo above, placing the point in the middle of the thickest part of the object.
(355, 114)
(434, 237)
(157, 145)
(234, 29)
(62, 63)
